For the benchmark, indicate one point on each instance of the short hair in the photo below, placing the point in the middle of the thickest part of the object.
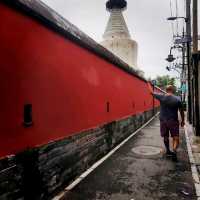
(171, 88)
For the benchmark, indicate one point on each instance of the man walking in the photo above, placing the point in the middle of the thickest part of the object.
(169, 107)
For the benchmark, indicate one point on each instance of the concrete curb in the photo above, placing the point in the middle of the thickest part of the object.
(98, 163)
(195, 174)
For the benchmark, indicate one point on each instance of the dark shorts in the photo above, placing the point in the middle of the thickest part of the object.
(170, 126)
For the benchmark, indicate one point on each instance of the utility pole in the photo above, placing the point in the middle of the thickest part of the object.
(195, 26)
(196, 68)
(188, 35)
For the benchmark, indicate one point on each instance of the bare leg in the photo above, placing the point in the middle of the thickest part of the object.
(175, 147)
(166, 142)
(175, 143)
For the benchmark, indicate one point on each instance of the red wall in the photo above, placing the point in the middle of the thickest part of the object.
(67, 85)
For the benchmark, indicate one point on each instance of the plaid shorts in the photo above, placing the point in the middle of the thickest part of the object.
(169, 126)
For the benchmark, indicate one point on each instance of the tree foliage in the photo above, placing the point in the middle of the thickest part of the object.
(163, 81)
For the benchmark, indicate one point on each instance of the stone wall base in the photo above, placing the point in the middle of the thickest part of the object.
(39, 173)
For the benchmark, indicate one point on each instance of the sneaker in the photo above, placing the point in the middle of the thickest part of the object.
(169, 153)
(174, 156)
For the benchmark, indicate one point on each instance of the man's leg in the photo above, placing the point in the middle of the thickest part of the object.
(165, 134)
(166, 142)
(175, 143)
(174, 130)
(175, 147)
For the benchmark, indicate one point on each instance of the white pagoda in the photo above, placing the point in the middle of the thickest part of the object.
(117, 38)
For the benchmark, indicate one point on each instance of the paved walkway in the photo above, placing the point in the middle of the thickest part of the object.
(127, 175)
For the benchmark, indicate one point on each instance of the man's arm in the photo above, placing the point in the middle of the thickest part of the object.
(157, 96)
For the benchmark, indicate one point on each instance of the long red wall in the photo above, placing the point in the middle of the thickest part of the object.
(67, 85)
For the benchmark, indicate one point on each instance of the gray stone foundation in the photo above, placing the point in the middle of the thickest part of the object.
(10, 179)
(41, 172)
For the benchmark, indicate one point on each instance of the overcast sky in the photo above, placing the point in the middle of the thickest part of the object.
(146, 20)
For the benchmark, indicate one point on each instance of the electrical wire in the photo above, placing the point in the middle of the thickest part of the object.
(171, 13)
(184, 15)
(177, 21)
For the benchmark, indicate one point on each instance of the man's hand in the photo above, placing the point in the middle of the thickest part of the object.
(150, 87)
(182, 123)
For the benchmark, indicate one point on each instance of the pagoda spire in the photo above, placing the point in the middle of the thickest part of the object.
(116, 26)
(116, 37)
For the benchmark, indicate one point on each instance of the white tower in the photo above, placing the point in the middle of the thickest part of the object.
(117, 38)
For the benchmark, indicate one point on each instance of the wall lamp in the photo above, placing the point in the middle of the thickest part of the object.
(175, 18)
(170, 58)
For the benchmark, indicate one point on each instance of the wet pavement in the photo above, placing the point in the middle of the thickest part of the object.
(139, 171)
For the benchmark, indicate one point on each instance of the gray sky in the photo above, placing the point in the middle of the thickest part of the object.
(146, 20)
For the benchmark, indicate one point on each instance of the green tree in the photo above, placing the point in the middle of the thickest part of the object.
(163, 81)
